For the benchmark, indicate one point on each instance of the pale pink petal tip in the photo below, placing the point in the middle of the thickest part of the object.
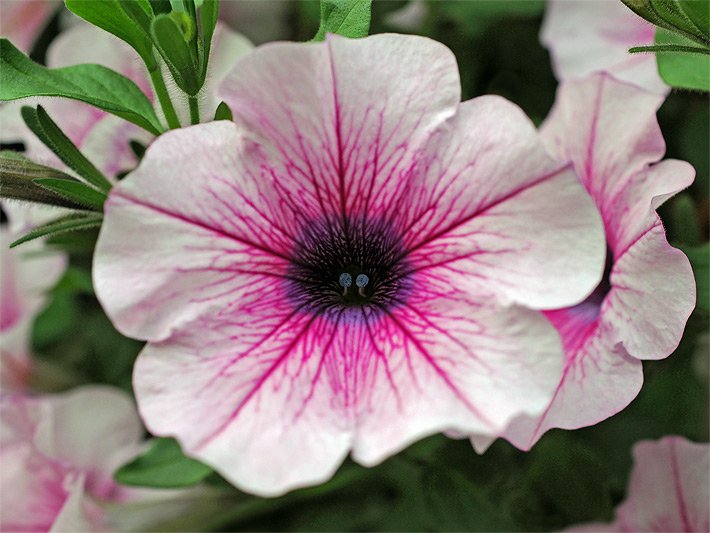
(667, 491)
(355, 259)
(587, 36)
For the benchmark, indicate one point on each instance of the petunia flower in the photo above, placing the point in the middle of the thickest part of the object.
(587, 36)
(58, 455)
(608, 129)
(26, 275)
(103, 138)
(343, 269)
(668, 489)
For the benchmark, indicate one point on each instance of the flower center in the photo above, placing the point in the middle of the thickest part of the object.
(357, 263)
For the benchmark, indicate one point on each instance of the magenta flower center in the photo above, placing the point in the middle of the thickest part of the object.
(348, 263)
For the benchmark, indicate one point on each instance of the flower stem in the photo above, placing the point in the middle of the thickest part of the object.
(164, 98)
(194, 109)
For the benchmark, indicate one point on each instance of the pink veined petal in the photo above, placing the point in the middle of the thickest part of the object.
(453, 365)
(274, 399)
(340, 138)
(221, 217)
(668, 489)
(586, 36)
(518, 226)
(608, 130)
(652, 296)
(599, 379)
(652, 283)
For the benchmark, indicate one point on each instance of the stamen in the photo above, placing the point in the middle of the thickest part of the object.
(361, 281)
(345, 280)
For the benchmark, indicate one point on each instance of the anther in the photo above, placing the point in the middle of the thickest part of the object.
(345, 280)
(361, 281)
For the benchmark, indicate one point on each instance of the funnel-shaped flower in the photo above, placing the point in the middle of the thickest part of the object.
(587, 36)
(608, 129)
(341, 271)
(668, 489)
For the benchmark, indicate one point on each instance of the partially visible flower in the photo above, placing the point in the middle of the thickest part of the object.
(586, 36)
(102, 137)
(59, 454)
(341, 269)
(668, 489)
(608, 129)
(26, 275)
(22, 21)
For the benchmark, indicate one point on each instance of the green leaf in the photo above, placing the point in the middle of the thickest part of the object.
(682, 70)
(223, 112)
(54, 138)
(93, 84)
(73, 222)
(670, 11)
(349, 18)
(17, 175)
(175, 50)
(699, 12)
(75, 191)
(208, 13)
(110, 16)
(160, 6)
(162, 466)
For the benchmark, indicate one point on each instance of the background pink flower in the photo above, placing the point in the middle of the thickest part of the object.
(58, 456)
(341, 271)
(608, 129)
(668, 489)
(22, 21)
(586, 36)
(27, 273)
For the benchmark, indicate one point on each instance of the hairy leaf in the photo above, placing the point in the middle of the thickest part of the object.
(349, 18)
(93, 84)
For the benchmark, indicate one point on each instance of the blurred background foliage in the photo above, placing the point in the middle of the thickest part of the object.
(439, 483)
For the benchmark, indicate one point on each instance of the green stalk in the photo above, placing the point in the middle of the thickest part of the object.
(163, 97)
(194, 109)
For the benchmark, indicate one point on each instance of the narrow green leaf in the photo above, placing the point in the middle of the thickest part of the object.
(75, 191)
(162, 466)
(208, 14)
(669, 48)
(349, 18)
(174, 49)
(141, 12)
(223, 112)
(109, 15)
(682, 70)
(17, 175)
(51, 135)
(93, 84)
(73, 222)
